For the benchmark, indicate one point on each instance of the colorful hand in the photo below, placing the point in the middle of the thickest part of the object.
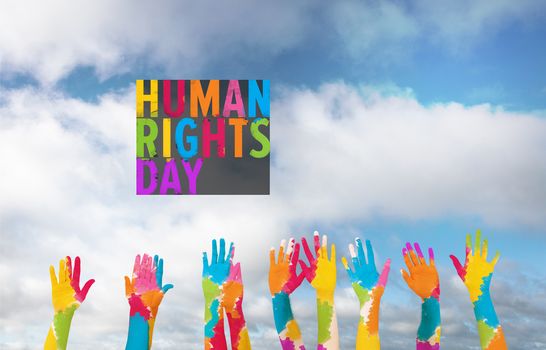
(214, 277)
(144, 291)
(368, 286)
(424, 281)
(283, 280)
(66, 296)
(476, 275)
(321, 272)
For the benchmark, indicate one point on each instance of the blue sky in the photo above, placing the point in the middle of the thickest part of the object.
(414, 156)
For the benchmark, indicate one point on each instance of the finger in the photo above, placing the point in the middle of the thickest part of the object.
(52, 276)
(469, 242)
(296, 256)
(272, 256)
(354, 259)
(86, 287)
(156, 261)
(347, 268)
(485, 249)
(420, 255)
(62, 270)
(167, 287)
(333, 253)
(205, 262)
(231, 253)
(407, 260)
(385, 273)
(307, 250)
(316, 241)
(77, 271)
(360, 252)
(222, 255)
(458, 267)
(478, 242)
(289, 250)
(214, 253)
(69, 267)
(136, 266)
(412, 255)
(280, 258)
(431, 256)
(371, 256)
(495, 258)
(324, 246)
(406, 277)
(159, 273)
(128, 286)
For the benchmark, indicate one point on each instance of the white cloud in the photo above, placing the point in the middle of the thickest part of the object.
(49, 40)
(340, 155)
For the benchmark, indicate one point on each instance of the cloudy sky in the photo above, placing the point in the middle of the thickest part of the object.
(391, 120)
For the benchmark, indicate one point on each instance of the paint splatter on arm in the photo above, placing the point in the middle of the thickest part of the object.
(66, 297)
(144, 292)
(369, 287)
(321, 273)
(424, 281)
(476, 274)
(283, 280)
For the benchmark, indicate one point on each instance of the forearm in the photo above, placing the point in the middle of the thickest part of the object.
(287, 327)
(428, 334)
(237, 327)
(328, 338)
(138, 336)
(367, 337)
(214, 325)
(57, 337)
(489, 328)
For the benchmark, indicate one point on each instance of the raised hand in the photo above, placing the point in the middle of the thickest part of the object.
(283, 280)
(321, 273)
(368, 286)
(424, 281)
(476, 274)
(144, 292)
(66, 297)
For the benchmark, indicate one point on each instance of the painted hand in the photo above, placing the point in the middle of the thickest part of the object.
(477, 271)
(321, 272)
(368, 286)
(423, 280)
(65, 291)
(283, 280)
(282, 273)
(144, 291)
(232, 302)
(66, 297)
(476, 275)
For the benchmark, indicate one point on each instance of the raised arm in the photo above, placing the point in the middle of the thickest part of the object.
(423, 280)
(321, 273)
(476, 275)
(66, 296)
(368, 286)
(215, 275)
(144, 292)
(232, 301)
(283, 280)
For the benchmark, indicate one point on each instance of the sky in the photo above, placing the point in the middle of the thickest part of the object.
(394, 121)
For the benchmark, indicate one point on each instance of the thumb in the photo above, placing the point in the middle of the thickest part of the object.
(460, 269)
(86, 287)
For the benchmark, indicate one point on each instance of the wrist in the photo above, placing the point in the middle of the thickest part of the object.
(430, 327)
(325, 295)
